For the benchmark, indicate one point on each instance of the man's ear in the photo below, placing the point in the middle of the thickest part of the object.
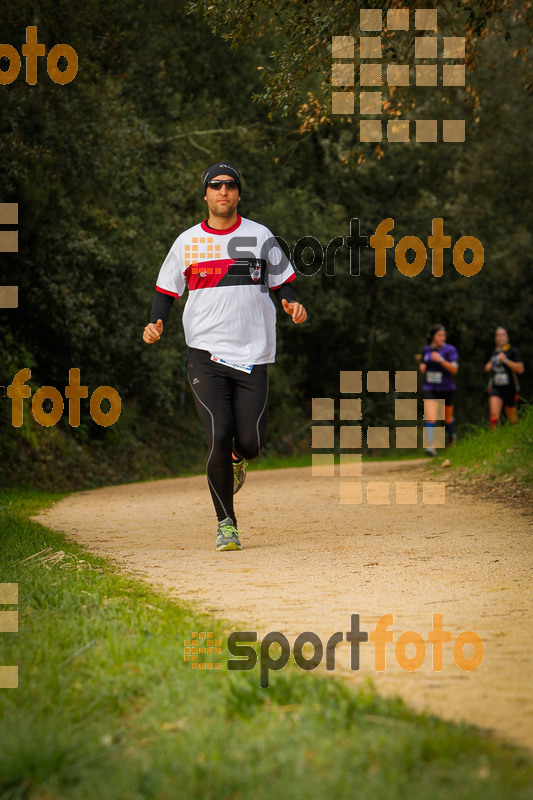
(205, 198)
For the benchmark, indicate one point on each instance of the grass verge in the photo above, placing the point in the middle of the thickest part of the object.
(277, 462)
(504, 455)
(106, 707)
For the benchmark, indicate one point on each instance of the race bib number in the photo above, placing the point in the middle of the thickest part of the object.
(501, 379)
(241, 367)
(434, 377)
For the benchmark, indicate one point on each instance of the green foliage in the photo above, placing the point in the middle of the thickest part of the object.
(106, 171)
(502, 456)
(297, 70)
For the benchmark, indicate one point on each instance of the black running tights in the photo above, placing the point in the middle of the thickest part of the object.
(232, 406)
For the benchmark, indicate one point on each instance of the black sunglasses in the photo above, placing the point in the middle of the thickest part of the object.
(216, 185)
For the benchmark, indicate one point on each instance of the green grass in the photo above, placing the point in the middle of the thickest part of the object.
(506, 452)
(268, 461)
(106, 707)
(277, 462)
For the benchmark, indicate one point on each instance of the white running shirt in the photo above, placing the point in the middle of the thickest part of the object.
(229, 311)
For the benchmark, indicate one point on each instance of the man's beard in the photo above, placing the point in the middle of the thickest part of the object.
(226, 210)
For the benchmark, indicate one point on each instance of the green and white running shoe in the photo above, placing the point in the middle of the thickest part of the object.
(239, 474)
(227, 535)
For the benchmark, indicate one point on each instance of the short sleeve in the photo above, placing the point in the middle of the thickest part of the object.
(453, 355)
(279, 268)
(515, 355)
(171, 279)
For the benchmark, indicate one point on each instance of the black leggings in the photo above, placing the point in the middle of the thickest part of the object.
(232, 406)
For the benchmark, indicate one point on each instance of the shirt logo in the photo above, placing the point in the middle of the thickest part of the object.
(255, 269)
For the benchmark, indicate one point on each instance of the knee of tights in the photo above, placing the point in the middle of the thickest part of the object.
(248, 450)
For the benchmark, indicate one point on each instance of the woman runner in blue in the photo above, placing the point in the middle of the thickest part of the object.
(438, 365)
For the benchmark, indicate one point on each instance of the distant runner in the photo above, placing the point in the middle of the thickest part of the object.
(439, 363)
(230, 329)
(505, 364)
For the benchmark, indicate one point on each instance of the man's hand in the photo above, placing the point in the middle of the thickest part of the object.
(502, 356)
(153, 332)
(436, 357)
(296, 310)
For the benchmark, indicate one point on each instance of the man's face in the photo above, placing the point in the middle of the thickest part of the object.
(439, 338)
(222, 202)
(501, 337)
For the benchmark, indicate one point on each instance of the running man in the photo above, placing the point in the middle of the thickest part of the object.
(505, 364)
(228, 264)
(439, 363)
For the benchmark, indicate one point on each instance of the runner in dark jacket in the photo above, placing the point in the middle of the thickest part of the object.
(504, 366)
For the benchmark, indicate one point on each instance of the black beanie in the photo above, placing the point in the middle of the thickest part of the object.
(221, 168)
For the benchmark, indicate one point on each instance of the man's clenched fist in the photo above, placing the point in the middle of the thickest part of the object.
(153, 332)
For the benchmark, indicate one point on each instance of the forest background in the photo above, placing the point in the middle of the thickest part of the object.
(106, 171)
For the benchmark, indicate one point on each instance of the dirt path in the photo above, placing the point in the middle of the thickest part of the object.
(309, 562)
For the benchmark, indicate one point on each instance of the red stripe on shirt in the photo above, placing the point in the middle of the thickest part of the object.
(292, 277)
(165, 291)
(207, 229)
(205, 274)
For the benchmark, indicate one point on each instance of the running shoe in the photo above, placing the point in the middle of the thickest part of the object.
(239, 474)
(430, 451)
(227, 535)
